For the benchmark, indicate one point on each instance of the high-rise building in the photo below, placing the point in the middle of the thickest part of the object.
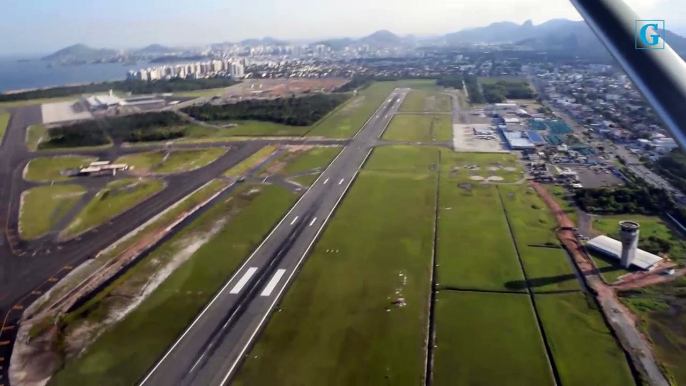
(237, 70)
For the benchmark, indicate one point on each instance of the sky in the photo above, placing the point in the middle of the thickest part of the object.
(42, 26)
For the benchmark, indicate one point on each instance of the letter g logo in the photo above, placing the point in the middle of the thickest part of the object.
(648, 34)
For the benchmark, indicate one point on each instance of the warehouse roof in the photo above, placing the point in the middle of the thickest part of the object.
(613, 248)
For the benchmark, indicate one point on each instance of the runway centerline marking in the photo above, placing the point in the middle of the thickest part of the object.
(244, 280)
(312, 222)
(294, 220)
(341, 181)
(325, 181)
(273, 282)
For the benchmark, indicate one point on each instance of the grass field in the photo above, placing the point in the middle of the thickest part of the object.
(474, 249)
(340, 324)
(423, 101)
(419, 128)
(43, 206)
(50, 169)
(608, 267)
(34, 136)
(4, 121)
(650, 226)
(496, 167)
(201, 93)
(663, 320)
(123, 354)
(251, 128)
(306, 180)
(251, 162)
(176, 162)
(403, 158)
(488, 339)
(317, 157)
(558, 193)
(584, 350)
(548, 269)
(117, 197)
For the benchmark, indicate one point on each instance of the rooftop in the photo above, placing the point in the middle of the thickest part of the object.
(613, 248)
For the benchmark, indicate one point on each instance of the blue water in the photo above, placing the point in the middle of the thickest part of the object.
(16, 75)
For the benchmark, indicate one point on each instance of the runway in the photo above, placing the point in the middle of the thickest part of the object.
(28, 269)
(212, 348)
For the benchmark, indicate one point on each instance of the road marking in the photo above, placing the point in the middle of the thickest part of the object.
(273, 282)
(226, 285)
(288, 279)
(294, 220)
(312, 222)
(341, 181)
(68, 267)
(4, 343)
(18, 307)
(36, 292)
(325, 181)
(7, 328)
(52, 279)
(244, 280)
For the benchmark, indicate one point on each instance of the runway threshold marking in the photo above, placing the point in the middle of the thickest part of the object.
(294, 220)
(273, 282)
(341, 181)
(244, 280)
(312, 222)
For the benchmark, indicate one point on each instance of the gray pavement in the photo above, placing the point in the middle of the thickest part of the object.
(212, 348)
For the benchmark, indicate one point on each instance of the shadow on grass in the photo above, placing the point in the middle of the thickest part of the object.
(518, 285)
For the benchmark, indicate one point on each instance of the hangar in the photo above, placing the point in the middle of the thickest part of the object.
(613, 248)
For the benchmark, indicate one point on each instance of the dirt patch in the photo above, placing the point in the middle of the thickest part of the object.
(34, 363)
(476, 178)
(494, 178)
(510, 169)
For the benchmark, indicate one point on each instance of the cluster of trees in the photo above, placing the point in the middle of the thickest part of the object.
(292, 111)
(623, 200)
(501, 90)
(160, 126)
(132, 86)
(673, 167)
(89, 133)
(451, 81)
(475, 95)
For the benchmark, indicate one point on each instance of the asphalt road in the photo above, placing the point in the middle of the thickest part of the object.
(213, 346)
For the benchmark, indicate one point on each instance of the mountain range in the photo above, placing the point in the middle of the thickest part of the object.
(556, 34)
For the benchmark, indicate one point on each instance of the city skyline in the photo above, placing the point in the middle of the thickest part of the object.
(215, 21)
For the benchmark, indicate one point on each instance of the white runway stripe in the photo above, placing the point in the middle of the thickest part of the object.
(312, 222)
(294, 220)
(273, 282)
(341, 181)
(325, 181)
(244, 280)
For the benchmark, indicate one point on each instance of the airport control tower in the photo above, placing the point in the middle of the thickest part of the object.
(628, 235)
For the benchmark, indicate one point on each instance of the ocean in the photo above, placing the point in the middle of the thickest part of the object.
(15, 75)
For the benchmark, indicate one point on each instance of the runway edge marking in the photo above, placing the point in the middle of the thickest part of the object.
(176, 343)
(288, 280)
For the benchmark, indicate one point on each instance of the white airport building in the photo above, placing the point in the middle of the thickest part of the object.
(613, 248)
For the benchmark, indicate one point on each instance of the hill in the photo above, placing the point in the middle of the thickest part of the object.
(382, 38)
(80, 52)
(155, 49)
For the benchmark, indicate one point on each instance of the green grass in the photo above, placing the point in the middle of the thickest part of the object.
(251, 128)
(201, 93)
(306, 180)
(114, 199)
(43, 206)
(558, 193)
(337, 325)
(608, 267)
(346, 121)
(178, 160)
(490, 165)
(423, 101)
(419, 128)
(251, 162)
(4, 121)
(488, 339)
(532, 223)
(50, 168)
(123, 354)
(318, 157)
(584, 349)
(34, 136)
(650, 226)
(403, 158)
(474, 249)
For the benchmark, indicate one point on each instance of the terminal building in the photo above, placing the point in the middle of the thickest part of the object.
(518, 140)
